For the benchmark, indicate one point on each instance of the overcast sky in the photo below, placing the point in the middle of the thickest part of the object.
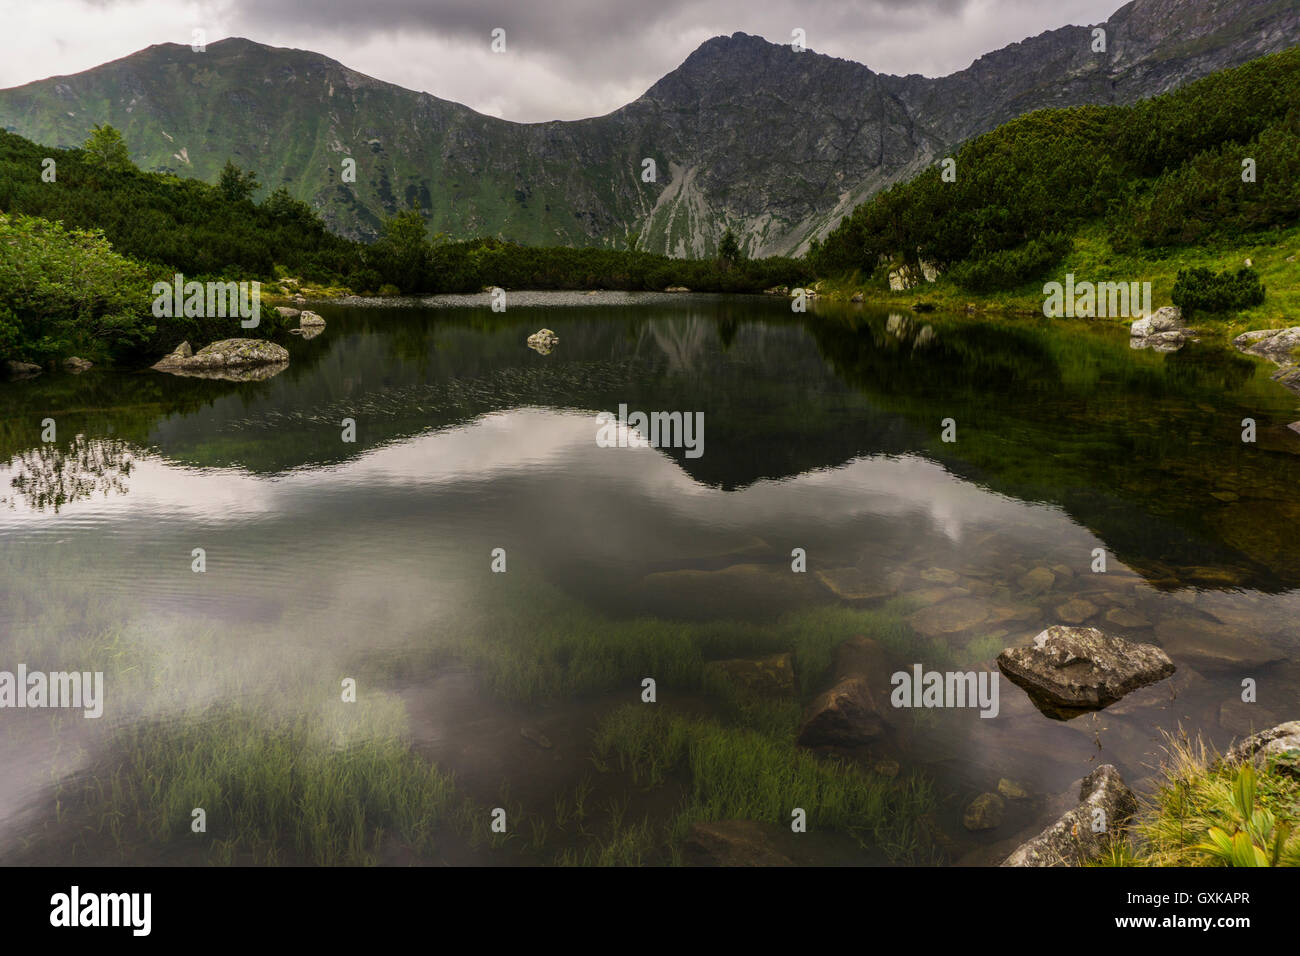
(564, 59)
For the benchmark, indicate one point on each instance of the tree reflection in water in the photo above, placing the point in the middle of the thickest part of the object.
(51, 475)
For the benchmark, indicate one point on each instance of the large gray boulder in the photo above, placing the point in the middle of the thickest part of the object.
(1267, 744)
(1167, 319)
(1277, 344)
(227, 353)
(1163, 330)
(1070, 670)
(1082, 834)
(14, 369)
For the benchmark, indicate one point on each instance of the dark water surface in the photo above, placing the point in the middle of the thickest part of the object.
(371, 559)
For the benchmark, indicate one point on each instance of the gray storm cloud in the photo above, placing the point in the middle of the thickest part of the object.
(564, 60)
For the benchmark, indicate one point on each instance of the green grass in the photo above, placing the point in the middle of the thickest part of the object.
(1093, 259)
(1196, 795)
(274, 790)
(741, 773)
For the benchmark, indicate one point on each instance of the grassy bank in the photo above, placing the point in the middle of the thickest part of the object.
(1093, 258)
(1212, 812)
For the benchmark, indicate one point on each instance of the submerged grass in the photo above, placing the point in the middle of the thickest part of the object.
(285, 773)
(561, 649)
(273, 790)
(740, 773)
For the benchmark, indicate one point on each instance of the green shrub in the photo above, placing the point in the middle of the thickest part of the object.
(1011, 267)
(1200, 290)
(66, 290)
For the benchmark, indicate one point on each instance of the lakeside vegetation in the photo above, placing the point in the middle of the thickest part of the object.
(1209, 811)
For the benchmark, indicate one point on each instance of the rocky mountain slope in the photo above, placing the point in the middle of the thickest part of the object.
(746, 134)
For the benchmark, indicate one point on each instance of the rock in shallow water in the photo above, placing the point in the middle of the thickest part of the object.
(771, 676)
(733, 843)
(984, 812)
(1069, 670)
(844, 716)
(1284, 739)
(950, 617)
(14, 369)
(543, 341)
(1166, 319)
(1208, 645)
(1277, 344)
(227, 353)
(1074, 838)
(854, 584)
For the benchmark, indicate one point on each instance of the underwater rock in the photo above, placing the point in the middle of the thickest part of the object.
(1208, 645)
(1069, 670)
(940, 576)
(1012, 789)
(844, 716)
(1037, 580)
(1242, 718)
(951, 617)
(770, 676)
(861, 657)
(855, 584)
(984, 813)
(741, 590)
(1123, 617)
(543, 341)
(732, 843)
(1076, 610)
(1073, 839)
(535, 736)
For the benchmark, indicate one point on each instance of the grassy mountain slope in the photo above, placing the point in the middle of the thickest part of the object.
(1119, 189)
